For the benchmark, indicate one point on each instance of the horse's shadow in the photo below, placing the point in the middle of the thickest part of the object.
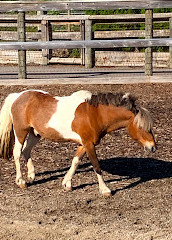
(142, 169)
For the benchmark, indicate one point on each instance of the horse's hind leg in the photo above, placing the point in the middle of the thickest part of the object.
(16, 154)
(28, 145)
(67, 185)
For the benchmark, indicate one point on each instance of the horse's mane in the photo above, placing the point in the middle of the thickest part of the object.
(142, 115)
(118, 99)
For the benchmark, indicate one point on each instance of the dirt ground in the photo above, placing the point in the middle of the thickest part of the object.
(141, 204)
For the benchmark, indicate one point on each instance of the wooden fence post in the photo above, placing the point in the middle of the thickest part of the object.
(88, 51)
(148, 35)
(21, 38)
(170, 48)
(82, 31)
(46, 35)
(39, 25)
(69, 26)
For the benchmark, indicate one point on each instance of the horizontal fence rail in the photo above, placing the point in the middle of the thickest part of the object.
(80, 5)
(86, 44)
(35, 36)
(11, 18)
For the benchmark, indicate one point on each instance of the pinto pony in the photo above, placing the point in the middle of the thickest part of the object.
(81, 117)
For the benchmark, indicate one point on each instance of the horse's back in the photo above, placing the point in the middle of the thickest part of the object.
(50, 116)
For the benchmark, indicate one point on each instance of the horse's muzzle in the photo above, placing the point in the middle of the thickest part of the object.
(152, 149)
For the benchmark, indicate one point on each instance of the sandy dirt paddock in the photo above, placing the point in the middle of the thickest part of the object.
(141, 204)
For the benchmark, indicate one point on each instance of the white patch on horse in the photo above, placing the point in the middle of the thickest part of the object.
(67, 185)
(31, 170)
(16, 153)
(35, 132)
(103, 189)
(64, 115)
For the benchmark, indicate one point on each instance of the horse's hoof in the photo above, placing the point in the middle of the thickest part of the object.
(31, 177)
(67, 188)
(107, 194)
(23, 185)
(30, 180)
(67, 185)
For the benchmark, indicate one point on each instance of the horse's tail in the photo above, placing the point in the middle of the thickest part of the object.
(6, 127)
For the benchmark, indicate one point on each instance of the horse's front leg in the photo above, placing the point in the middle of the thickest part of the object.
(103, 189)
(67, 181)
(16, 154)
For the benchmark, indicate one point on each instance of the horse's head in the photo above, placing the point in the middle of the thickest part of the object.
(140, 129)
(145, 138)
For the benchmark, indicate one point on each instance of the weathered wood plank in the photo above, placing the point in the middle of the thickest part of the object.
(82, 37)
(88, 51)
(129, 59)
(86, 44)
(102, 59)
(170, 48)
(129, 34)
(130, 79)
(32, 36)
(45, 37)
(117, 17)
(39, 18)
(131, 17)
(81, 5)
(148, 35)
(21, 52)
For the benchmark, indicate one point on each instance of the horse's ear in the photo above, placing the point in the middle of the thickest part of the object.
(126, 95)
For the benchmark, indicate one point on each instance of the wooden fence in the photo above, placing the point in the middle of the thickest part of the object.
(88, 42)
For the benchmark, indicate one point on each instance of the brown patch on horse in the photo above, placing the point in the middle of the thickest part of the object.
(142, 116)
(29, 109)
(86, 124)
(93, 122)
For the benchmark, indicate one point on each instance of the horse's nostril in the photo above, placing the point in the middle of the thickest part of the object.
(153, 149)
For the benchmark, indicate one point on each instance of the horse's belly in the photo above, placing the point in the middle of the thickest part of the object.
(60, 134)
(55, 135)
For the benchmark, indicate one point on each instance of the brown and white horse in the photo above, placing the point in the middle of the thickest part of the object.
(81, 117)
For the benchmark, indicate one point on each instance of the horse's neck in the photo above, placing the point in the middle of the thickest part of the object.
(115, 117)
